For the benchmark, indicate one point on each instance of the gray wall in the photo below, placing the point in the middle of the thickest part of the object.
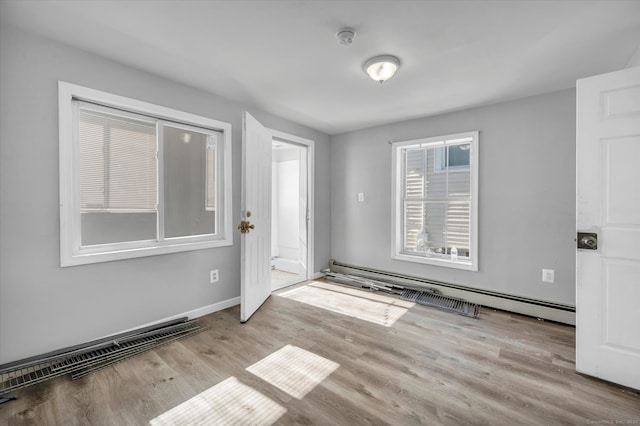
(45, 307)
(526, 195)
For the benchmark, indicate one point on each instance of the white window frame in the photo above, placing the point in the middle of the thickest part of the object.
(210, 147)
(397, 213)
(71, 251)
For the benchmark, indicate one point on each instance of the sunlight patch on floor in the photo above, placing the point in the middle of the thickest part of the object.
(227, 403)
(293, 370)
(367, 306)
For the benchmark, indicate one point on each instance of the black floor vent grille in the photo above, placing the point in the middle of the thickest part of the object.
(446, 303)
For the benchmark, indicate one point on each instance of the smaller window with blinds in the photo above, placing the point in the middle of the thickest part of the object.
(435, 201)
(138, 179)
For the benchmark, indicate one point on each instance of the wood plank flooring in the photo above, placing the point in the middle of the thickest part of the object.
(280, 279)
(430, 367)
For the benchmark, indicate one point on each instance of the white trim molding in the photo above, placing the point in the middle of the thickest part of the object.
(194, 313)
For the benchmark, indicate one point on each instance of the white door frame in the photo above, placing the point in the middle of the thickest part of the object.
(309, 144)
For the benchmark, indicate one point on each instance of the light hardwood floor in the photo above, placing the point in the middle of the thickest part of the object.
(280, 279)
(430, 367)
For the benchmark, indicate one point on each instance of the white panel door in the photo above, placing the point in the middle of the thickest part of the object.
(255, 275)
(608, 203)
(303, 212)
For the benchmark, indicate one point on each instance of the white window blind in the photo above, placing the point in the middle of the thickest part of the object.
(117, 163)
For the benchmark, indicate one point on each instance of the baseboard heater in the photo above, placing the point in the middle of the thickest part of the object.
(83, 359)
(558, 312)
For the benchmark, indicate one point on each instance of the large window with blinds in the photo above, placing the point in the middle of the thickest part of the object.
(139, 179)
(435, 200)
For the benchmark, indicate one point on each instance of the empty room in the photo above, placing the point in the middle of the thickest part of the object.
(316, 212)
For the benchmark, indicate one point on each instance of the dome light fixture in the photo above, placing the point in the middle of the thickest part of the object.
(381, 68)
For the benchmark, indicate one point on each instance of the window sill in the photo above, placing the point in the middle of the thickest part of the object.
(467, 265)
(84, 257)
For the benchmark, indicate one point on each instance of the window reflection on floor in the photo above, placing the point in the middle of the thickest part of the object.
(290, 369)
(367, 306)
(227, 403)
(293, 370)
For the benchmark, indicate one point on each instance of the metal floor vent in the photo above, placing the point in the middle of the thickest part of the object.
(424, 296)
(84, 359)
(452, 304)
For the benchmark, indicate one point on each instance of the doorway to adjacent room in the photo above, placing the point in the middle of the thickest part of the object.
(289, 213)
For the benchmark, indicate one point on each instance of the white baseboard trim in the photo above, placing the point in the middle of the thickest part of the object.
(195, 313)
(317, 275)
(215, 307)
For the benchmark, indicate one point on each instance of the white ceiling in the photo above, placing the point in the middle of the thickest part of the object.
(283, 57)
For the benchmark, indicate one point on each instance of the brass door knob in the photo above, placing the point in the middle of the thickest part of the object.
(245, 226)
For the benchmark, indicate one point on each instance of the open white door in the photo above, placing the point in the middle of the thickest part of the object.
(255, 286)
(303, 213)
(608, 204)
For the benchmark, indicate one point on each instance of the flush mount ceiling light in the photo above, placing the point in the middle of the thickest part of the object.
(381, 68)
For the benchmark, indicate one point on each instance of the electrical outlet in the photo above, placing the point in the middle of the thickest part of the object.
(213, 276)
(360, 197)
(548, 276)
